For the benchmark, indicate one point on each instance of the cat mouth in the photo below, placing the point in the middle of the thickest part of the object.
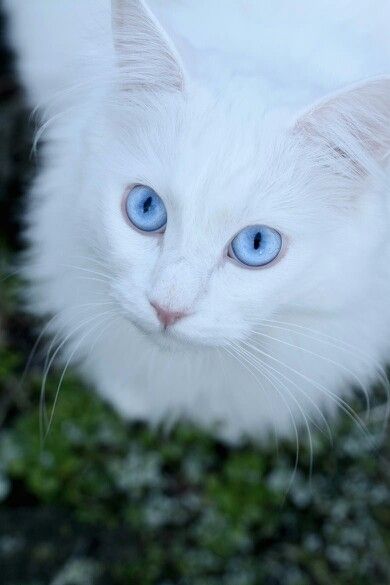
(175, 340)
(176, 337)
(166, 338)
(169, 340)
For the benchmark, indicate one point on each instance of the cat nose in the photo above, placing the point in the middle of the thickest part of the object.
(166, 316)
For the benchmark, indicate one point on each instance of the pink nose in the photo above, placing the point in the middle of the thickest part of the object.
(167, 317)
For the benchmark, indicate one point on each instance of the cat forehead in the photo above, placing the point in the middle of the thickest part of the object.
(215, 154)
(212, 158)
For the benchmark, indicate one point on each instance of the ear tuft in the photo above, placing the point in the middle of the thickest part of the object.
(354, 123)
(146, 56)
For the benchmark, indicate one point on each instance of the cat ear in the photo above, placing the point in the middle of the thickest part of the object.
(353, 124)
(146, 56)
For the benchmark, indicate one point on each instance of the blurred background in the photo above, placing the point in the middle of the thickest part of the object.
(102, 502)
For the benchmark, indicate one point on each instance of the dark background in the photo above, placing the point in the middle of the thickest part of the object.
(102, 502)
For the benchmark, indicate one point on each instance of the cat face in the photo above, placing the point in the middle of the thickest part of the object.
(205, 193)
(231, 182)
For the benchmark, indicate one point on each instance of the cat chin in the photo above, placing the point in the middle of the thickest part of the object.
(172, 341)
(169, 343)
(177, 341)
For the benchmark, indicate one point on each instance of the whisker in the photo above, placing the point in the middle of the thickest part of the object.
(62, 377)
(49, 362)
(308, 398)
(44, 331)
(260, 385)
(10, 275)
(342, 404)
(227, 386)
(37, 343)
(97, 261)
(236, 349)
(305, 417)
(90, 271)
(91, 279)
(334, 342)
(324, 358)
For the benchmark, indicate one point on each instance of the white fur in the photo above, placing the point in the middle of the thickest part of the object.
(228, 135)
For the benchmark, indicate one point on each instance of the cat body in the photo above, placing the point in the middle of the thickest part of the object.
(235, 115)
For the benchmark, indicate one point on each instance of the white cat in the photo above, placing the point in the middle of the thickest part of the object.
(209, 231)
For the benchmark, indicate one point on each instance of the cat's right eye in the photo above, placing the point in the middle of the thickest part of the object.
(146, 210)
(256, 246)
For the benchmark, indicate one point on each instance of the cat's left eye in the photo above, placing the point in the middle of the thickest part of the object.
(256, 246)
(146, 210)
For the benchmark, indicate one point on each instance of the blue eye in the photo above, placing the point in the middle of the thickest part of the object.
(256, 246)
(145, 209)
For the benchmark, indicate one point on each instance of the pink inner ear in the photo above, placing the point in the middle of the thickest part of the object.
(146, 56)
(355, 119)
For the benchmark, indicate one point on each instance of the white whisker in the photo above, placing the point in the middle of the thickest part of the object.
(49, 362)
(237, 349)
(308, 398)
(324, 358)
(224, 348)
(342, 404)
(106, 317)
(88, 270)
(306, 418)
(332, 341)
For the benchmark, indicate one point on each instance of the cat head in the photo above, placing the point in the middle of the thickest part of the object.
(214, 212)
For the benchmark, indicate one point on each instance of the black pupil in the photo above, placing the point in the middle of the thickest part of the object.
(147, 204)
(257, 241)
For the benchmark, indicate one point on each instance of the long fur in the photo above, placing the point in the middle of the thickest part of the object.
(226, 144)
